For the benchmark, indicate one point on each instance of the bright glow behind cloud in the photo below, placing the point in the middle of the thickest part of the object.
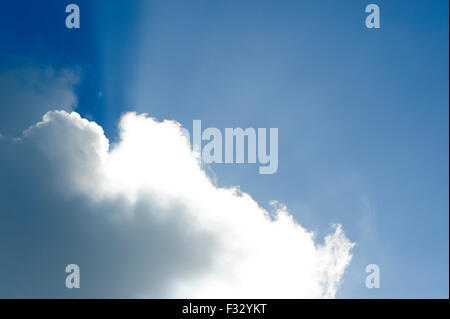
(221, 243)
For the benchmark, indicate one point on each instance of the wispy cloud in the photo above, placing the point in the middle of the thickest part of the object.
(28, 93)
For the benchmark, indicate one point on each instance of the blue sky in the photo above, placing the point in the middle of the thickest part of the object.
(362, 113)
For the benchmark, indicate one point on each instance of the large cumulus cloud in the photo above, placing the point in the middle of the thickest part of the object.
(142, 219)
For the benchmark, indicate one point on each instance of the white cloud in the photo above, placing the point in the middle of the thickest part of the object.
(142, 219)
